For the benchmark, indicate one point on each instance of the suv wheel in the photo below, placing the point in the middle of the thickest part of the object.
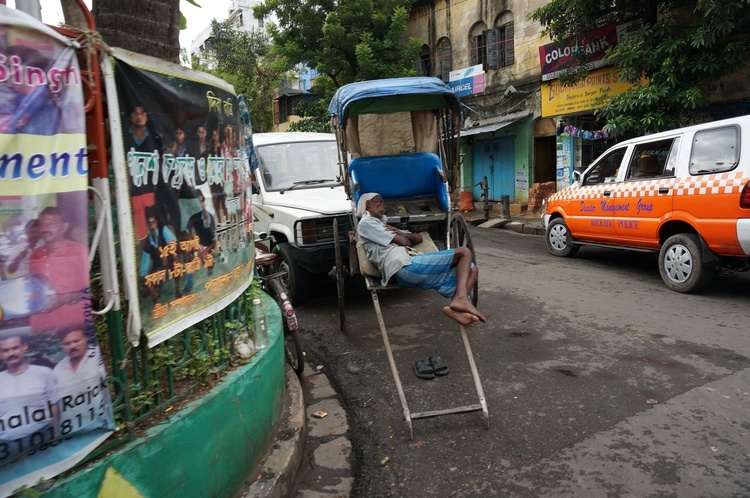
(297, 280)
(559, 240)
(681, 265)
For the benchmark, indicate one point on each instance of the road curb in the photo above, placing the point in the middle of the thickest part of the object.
(533, 227)
(276, 476)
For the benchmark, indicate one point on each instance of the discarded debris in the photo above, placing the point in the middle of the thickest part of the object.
(651, 401)
(384, 461)
(320, 414)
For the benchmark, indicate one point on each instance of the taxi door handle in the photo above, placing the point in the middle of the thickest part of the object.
(664, 190)
(607, 193)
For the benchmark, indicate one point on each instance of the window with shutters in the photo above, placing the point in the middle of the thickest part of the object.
(477, 45)
(493, 48)
(445, 59)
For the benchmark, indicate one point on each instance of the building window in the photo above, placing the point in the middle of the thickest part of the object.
(477, 45)
(423, 65)
(445, 59)
(493, 48)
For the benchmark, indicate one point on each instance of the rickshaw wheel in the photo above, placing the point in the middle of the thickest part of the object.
(460, 237)
(339, 274)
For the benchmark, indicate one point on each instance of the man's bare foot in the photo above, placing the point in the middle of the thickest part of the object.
(465, 319)
(465, 306)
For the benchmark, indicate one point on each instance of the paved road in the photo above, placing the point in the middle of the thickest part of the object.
(599, 381)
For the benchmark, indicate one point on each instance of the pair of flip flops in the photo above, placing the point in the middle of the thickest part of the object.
(430, 367)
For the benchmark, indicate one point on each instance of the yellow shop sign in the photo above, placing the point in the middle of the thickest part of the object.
(582, 96)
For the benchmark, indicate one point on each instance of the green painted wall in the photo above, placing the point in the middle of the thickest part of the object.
(207, 448)
(523, 132)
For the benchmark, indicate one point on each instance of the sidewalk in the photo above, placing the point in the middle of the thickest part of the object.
(311, 454)
(523, 223)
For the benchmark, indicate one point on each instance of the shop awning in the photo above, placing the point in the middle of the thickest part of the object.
(493, 124)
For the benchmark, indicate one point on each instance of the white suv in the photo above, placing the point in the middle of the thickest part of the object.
(296, 199)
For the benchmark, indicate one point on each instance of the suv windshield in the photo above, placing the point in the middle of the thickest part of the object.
(298, 165)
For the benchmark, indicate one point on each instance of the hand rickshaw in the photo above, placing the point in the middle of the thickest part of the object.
(399, 137)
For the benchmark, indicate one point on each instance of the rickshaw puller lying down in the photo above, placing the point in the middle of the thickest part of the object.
(450, 272)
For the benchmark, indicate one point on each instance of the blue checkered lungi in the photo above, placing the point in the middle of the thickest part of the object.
(430, 271)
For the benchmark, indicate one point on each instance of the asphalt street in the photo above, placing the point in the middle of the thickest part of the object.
(599, 380)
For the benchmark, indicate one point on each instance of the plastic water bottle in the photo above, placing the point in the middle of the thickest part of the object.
(259, 325)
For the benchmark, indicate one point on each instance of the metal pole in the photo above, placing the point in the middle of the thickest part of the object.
(485, 198)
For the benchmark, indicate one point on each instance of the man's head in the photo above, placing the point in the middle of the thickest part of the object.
(13, 351)
(52, 227)
(74, 344)
(372, 203)
(139, 116)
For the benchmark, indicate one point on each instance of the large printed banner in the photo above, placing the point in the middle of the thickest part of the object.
(54, 403)
(182, 193)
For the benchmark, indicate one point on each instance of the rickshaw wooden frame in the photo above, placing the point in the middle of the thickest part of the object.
(427, 97)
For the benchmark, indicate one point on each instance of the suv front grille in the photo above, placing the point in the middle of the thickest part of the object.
(319, 231)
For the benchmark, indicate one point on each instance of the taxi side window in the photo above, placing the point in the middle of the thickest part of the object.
(606, 168)
(715, 150)
(649, 159)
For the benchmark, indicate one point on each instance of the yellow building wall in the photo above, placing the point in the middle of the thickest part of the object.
(455, 21)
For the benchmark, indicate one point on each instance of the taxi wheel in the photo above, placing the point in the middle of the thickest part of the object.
(559, 240)
(681, 265)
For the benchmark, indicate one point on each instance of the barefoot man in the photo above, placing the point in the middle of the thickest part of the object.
(450, 272)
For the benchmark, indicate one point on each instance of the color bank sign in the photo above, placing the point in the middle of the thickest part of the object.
(467, 81)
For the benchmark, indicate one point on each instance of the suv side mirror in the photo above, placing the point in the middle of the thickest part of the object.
(255, 188)
(577, 176)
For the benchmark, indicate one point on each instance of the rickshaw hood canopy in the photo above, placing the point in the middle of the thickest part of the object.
(392, 95)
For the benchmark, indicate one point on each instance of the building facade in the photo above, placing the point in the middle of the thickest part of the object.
(489, 53)
(241, 13)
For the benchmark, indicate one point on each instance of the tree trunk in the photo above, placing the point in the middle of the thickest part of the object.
(150, 27)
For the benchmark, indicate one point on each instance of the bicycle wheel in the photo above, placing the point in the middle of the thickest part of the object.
(293, 350)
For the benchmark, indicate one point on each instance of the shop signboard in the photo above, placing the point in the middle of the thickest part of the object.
(558, 99)
(554, 59)
(467, 81)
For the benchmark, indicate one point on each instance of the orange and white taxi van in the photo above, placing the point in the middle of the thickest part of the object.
(683, 193)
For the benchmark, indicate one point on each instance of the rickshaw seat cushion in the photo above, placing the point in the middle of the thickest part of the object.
(400, 176)
(368, 269)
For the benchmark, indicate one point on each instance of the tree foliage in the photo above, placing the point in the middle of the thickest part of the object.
(346, 40)
(681, 48)
(245, 59)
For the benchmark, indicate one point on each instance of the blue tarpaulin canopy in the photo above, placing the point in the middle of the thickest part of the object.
(392, 95)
